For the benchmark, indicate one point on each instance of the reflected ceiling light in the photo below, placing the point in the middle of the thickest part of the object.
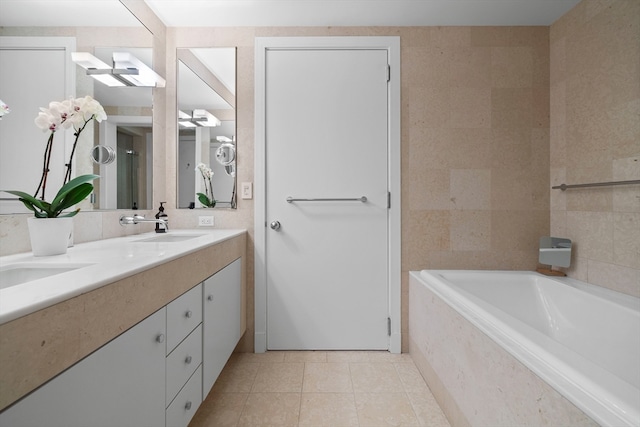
(127, 70)
(205, 118)
(223, 139)
(145, 76)
(198, 118)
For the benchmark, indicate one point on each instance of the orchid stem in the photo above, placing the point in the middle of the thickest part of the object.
(67, 175)
(45, 167)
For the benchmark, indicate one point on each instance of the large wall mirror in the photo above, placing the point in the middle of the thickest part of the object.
(206, 128)
(126, 181)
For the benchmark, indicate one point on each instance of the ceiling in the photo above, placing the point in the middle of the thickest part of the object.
(205, 13)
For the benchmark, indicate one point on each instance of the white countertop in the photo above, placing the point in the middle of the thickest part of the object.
(110, 259)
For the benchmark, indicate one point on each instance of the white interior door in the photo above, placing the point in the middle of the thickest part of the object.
(327, 138)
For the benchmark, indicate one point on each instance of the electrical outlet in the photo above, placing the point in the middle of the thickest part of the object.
(247, 190)
(205, 221)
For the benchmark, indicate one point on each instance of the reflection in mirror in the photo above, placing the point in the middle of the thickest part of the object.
(45, 73)
(206, 125)
(125, 183)
(103, 155)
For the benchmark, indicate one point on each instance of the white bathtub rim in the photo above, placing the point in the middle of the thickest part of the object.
(586, 393)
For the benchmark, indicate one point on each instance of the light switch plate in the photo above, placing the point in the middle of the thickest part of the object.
(205, 221)
(247, 190)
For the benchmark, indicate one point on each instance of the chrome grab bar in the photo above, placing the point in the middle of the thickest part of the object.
(362, 199)
(595, 184)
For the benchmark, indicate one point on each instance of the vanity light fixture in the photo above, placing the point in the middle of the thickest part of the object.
(223, 138)
(127, 70)
(199, 118)
(205, 118)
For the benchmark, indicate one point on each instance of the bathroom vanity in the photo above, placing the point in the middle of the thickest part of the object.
(142, 349)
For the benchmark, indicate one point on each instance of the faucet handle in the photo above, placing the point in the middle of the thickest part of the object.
(125, 220)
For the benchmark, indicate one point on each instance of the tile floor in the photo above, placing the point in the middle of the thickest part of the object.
(320, 389)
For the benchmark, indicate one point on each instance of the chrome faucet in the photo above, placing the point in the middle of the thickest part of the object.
(135, 219)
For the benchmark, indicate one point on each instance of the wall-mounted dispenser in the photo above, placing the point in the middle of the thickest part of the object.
(554, 251)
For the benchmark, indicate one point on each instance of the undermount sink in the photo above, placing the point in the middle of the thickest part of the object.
(16, 274)
(167, 238)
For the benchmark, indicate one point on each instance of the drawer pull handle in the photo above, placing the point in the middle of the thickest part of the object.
(188, 360)
(187, 406)
(210, 298)
(188, 314)
(160, 338)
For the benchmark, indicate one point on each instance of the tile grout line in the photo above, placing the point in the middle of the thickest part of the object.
(406, 393)
(353, 394)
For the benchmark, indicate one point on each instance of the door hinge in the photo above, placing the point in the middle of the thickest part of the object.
(388, 199)
(389, 326)
(388, 72)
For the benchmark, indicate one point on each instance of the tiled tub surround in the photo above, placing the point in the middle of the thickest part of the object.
(519, 348)
(127, 283)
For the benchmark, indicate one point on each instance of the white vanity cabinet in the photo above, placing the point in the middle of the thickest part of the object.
(120, 384)
(155, 374)
(222, 321)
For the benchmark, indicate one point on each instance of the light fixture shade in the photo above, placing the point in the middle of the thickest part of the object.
(205, 118)
(223, 138)
(187, 124)
(145, 76)
(108, 79)
(127, 70)
(88, 61)
(183, 116)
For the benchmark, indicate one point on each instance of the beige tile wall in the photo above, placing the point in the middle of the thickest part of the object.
(595, 136)
(475, 149)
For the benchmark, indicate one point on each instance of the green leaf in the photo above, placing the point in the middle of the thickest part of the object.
(203, 199)
(74, 196)
(70, 186)
(69, 194)
(69, 214)
(36, 205)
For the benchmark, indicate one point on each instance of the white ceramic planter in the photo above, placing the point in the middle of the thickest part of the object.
(49, 236)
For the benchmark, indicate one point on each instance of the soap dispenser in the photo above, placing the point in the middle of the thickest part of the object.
(162, 228)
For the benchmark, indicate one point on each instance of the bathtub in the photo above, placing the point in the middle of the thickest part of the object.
(515, 347)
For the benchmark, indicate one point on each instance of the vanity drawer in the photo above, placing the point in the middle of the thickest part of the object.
(183, 315)
(186, 403)
(182, 362)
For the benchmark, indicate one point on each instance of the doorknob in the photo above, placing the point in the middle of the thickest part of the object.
(275, 225)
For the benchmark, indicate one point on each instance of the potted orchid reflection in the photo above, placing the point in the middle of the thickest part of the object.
(76, 113)
(206, 198)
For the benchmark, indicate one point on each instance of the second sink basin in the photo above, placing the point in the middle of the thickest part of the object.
(15, 274)
(170, 238)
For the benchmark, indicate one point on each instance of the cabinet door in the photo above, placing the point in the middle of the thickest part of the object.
(221, 321)
(120, 384)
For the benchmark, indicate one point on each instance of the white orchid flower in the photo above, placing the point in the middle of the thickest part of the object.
(4, 109)
(63, 109)
(85, 109)
(48, 121)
